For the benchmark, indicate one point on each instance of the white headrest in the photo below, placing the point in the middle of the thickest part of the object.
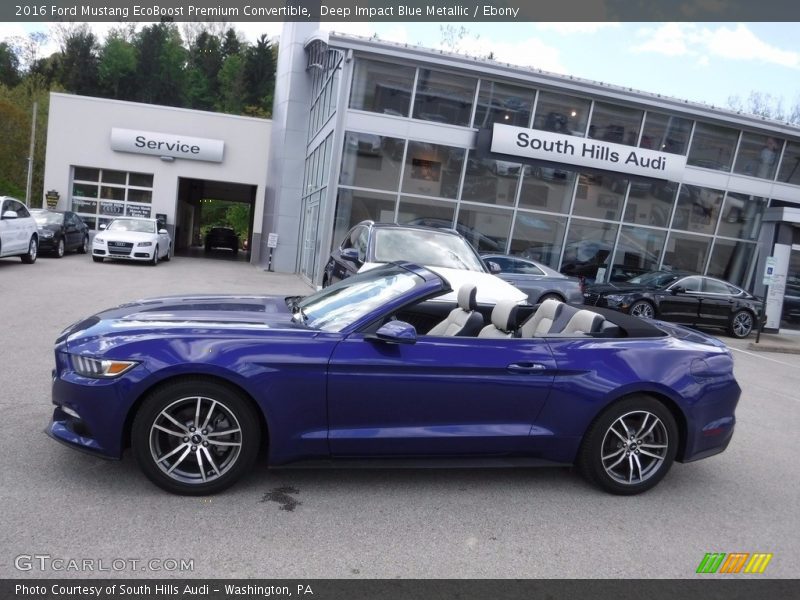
(503, 314)
(584, 321)
(466, 296)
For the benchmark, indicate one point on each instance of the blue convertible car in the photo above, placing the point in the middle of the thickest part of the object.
(376, 367)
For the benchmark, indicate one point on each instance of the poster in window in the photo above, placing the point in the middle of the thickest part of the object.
(427, 170)
(80, 205)
(135, 210)
(114, 209)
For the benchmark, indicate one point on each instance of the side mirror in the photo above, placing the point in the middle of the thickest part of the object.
(678, 289)
(350, 255)
(494, 268)
(10, 214)
(102, 226)
(395, 332)
(163, 231)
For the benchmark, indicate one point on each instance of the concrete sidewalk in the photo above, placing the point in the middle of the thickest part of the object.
(786, 343)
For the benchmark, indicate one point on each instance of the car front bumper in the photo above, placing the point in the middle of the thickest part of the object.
(135, 253)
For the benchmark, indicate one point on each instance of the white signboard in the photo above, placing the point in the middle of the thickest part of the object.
(166, 144)
(272, 240)
(774, 300)
(769, 270)
(583, 152)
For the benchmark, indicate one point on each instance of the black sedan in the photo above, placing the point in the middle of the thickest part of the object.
(60, 232)
(681, 298)
(222, 237)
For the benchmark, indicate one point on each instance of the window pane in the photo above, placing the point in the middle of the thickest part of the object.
(741, 216)
(758, 156)
(83, 189)
(86, 174)
(114, 177)
(600, 196)
(382, 87)
(686, 252)
(80, 205)
(638, 251)
(650, 202)
(790, 165)
(490, 181)
(140, 195)
(444, 97)
(561, 113)
(432, 170)
(729, 260)
(588, 247)
(370, 161)
(352, 207)
(141, 179)
(698, 209)
(712, 147)
(665, 133)
(112, 193)
(618, 124)
(547, 188)
(485, 228)
(538, 237)
(430, 213)
(502, 103)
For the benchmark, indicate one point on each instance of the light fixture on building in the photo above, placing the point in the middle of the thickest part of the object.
(167, 158)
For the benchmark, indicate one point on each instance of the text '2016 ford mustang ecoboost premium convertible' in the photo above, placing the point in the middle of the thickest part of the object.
(374, 367)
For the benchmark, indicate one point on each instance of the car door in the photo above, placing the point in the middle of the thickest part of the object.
(163, 240)
(524, 275)
(681, 306)
(437, 396)
(13, 229)
(716, 303)
(73, 236)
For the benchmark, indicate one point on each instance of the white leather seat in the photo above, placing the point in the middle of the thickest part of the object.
(540, 322)
(583, 322)
(464, 320)
(504, 320)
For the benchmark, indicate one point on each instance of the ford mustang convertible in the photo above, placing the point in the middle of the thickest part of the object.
(375, 368)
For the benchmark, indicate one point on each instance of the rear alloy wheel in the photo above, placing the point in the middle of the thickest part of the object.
(741, 324)
(33, 251)
(84, 247)
(60, 248)
(195, 437)
(643, 309)
(630, 447)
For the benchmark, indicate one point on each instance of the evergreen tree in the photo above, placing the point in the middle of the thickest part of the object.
(78, 69)
(259, 76)
(9, 65)
(117, 69)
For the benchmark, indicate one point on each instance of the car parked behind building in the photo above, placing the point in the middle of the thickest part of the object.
(222, 237)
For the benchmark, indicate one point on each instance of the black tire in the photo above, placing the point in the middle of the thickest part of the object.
(197, 463)
(33, 251)
(84, 247)
(154, 260)
(643, 309)
(741, 324)
(168, 255)
(650, 444)
(61, 248)
(550, 297)
(97, 259)
(208, 248)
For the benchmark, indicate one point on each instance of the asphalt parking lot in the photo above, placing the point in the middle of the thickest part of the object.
(302, 523)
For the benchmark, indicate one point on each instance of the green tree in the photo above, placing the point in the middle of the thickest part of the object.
(259, 77)
(78, 70)
(160, 73)
(231, 44)
(205, 62)
(232, 85)
(238, 217)
(9, 65)
(117, 68)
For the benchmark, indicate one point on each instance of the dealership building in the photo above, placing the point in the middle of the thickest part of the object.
(592, 179)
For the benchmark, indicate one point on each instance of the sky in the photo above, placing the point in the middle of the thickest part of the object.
(700, 62)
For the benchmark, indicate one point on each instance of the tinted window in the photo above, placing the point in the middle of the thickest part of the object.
(691, 284)
(712, 286)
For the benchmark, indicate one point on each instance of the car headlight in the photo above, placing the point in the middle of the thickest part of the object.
(46, 233)
(144, 244)
(618, 298)
(99, 240)
(99, 368)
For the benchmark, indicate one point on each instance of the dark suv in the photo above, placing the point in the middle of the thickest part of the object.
(222, 237)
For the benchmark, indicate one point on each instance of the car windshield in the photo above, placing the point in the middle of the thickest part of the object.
(429, 248)
(138, 225)
(48, 218)
(337, 306)
(654, 279)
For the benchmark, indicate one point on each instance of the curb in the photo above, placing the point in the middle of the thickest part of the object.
(773, 348)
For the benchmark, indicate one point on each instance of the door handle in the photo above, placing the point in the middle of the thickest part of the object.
(530, 368)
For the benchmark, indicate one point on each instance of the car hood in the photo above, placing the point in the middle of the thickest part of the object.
(490, 287)
(126, 236)
(207, 315)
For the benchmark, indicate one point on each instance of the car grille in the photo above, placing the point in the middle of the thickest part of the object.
(120, 248)
(593, 299)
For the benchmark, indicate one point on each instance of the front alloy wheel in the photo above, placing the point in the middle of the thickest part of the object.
(741, 324)
(195, 438)
(33, 250)
(642, 309)
(154, 260)
(630, 447)
(60, 248)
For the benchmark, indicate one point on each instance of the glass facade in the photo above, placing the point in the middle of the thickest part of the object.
(584, 223)
(99, 195)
